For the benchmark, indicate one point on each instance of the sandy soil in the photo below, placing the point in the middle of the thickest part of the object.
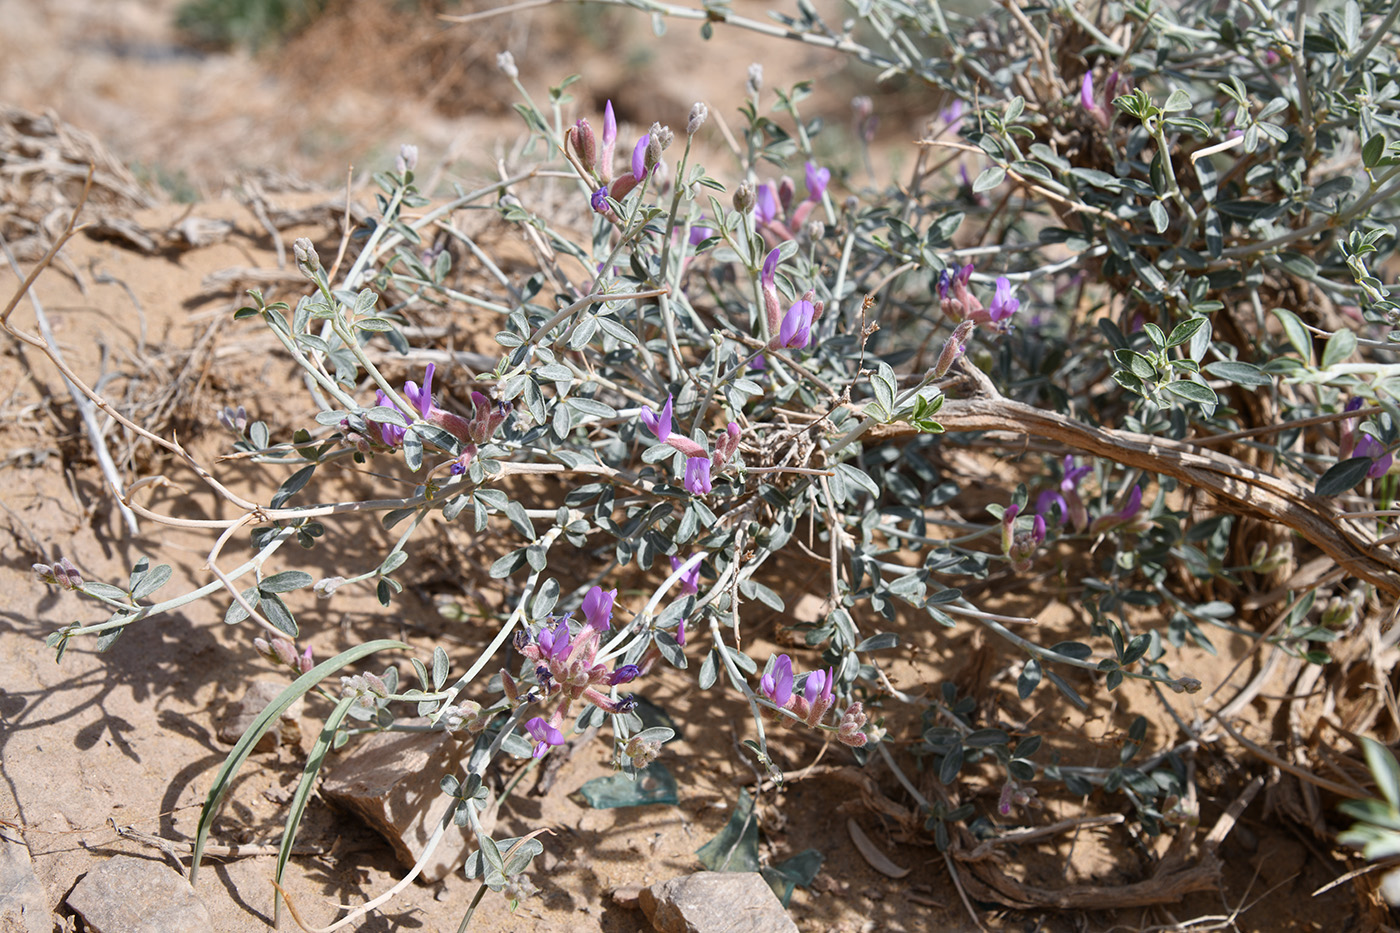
(128, 737)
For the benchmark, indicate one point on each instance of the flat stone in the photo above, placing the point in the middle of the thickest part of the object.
(391, 782)
(24, 907)
(715, 902)
(241, 715)
(126, 894)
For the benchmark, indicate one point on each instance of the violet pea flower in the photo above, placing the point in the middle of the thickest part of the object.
(1003, 304)
(818, 686)
(624, 674)
(639, 157)
(598, 200)
(697, 475)
(554, 644)
(391, 434)
(690, 580)
(544, 735)
(422, 399)
(777, 683)
(817, 180)
(768, 284)
(1086, 92)
(659, 425)
(766, 203)
(598, 607)
(796, 330)
(1368, 446)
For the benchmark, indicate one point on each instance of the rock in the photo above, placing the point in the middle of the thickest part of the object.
(627, 895)
(126, 894)
(24, 907)
(715, 902)
(241, 715)
(391, 782)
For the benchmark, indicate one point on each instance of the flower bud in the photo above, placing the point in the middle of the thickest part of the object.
(408, 158)
(953, 348)
(506, 62)
(652, 158)
(307, 260)
(466, 716)
(815, 230)
(787, 190)
(662, 135)
(584, 144)
(743, 198)
(326, 586)
(851, 731)
(235, 419)
(699, 113)
(754, 84)
(641, 751)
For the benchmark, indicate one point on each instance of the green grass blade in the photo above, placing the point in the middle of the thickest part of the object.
(303, 794)
(275, 709)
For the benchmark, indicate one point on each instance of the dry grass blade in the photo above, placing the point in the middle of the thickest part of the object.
(871, 853)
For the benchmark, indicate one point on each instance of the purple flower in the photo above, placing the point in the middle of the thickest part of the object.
(544, 734)
(951, 115)
(1126, 517)
(598, 607)
(554, 644)
(609, 124)
(1086, 92)
(660, 425)
(818, 686)
(817, 180)
(690, 580)
(1368, 446)
(768, 284)
(599, 202)
(1067, 499)
(624, 674)
(1003, 304)
(680, 634)
(699, 235)
(766, 203)
(796, 331)
(422, 399)
(391, 434)
(777, 683)
(697, 475)
(639, 157)
(758, 363)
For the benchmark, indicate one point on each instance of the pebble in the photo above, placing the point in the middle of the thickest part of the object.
(126, 894)
(391, 782)
(715, 902)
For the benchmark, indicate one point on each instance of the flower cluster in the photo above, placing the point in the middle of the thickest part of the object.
(960, 304)
(566, 668)
(810, 705)
(597, 160)
(62, 573)
(776, 215)
(473, 432)
(466, 715)
(699, 461)
(366, 689)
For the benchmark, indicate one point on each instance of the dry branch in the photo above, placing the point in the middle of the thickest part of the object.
(1239, 487)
